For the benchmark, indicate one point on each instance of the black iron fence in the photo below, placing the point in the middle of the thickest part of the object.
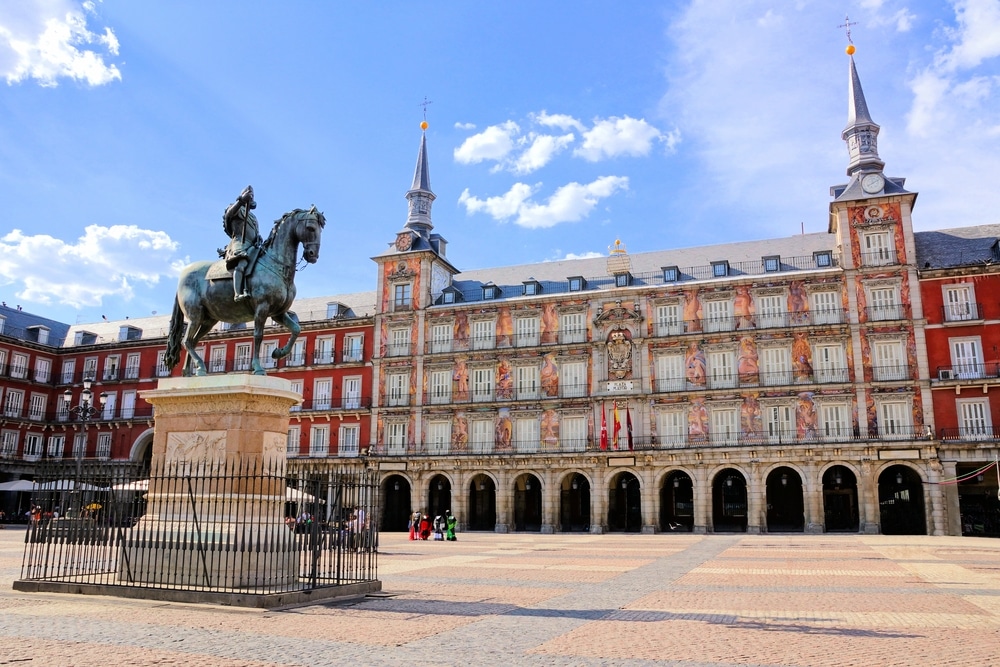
(221, 528)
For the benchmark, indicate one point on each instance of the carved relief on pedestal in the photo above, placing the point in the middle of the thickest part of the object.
(198, 446)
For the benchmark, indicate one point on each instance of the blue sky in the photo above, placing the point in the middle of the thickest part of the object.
(127, 127)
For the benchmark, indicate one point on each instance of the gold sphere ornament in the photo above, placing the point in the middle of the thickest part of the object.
(423, 125)
(850, 49)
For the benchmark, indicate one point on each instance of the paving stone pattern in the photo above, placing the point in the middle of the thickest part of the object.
(520, 599)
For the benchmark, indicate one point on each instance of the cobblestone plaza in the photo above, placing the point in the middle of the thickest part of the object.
(566, 599)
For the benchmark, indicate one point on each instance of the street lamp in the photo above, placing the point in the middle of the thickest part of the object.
(85, 412)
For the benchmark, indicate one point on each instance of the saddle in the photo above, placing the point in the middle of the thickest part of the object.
(218, 270)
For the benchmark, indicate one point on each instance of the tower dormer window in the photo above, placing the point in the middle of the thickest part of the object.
(623, 279)
(577, 283)
(531, 287)
(720, 269)
(824, 259)
(489, 292)
(772, 263)
(670, 274)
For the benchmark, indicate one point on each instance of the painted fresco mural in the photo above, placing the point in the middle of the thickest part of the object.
(504, 430)
(397, 270)
(550, 429)
(549, 324)
(751, 423)
(802, 367)
(747, 364)
(698, 420)
(460, 329)
(460, 436)
(505, 328)
(860, 217)
(806, 419)
(504, 380)
(692, 310)
(798, 303)
(550, 376)
(743, 308)
(695, 369)
(460, 380)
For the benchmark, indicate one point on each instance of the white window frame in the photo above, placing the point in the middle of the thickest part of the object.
(775, 364)
(772, 311)
(350, 393)
(319, 440)
(827, 307)
(669, 320)
(884, 303)
(293, 441)
(128, 403)
(68, 371)
(672, 427)
(573, 433)
(13, 403)
(572, 328)
(323, 350)
(718, 315)
(110, 404)
(217, 359)
(132, 366)
(296, 386)
(441, 335)
(889, 361)
(80, 445)
(573, 379)
(402, 296)
(483, 380)
(322, 393)
(829, 363)
(670, 372)
(526, 382)
(89, 368)
(724, 425)
(895, 419)
(484, 334)
(161, 364)
(395, 438)
(960, 302)
(19, 365)
(482, 435)
(877, 248)
(974, 419)
(297, 357)
(56, 446)
(779, 422)
(527, 434)
(399, 341)
(722, 369)
(967, 357)
(398, 389)
(242, 356)
(267, 348)
(103, 446)
(526, 331)
(349, 440)
(43, 369)
(834, 421)
(438, 439)
(8, 443)
(112, 367)
(36, 406)
(439, 386)
(354, 347)
(32, 446)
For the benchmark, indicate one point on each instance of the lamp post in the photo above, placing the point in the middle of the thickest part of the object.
(84, 412)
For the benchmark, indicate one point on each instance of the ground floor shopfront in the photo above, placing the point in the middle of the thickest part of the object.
(906, 489)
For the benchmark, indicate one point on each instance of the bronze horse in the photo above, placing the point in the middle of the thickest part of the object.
(204, 300)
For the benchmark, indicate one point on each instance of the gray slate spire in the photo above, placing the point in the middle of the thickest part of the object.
(420, 195)
(861, 133)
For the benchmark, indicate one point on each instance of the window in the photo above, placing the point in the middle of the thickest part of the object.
(292, 444)
(829, 363)
(482, 384)
(322, 394)
(43, 369)
(319, 440)
(18, 365)
(112, 364)
(966, 357)
(772, 263)
(267, 349)
(161, 364)
(526, 434)
(90, 368)
(36, 407)
(354, 347)
(332, 310)
(885, 304)
(771, 311)
(56, 446)
(401, 297)
(572, 328)
(895, 420)
(668, 320)
(351, 393)
(526, 331)
(84, 338)
(573, 434)
(32, 446)
(721, 369)
(62, 409)
(974, 419)
(720, 269)
(108, 409)
(323, 351)
(8, 444)
(80, 445)
(39, 334)
(824, 259)
(129, 333)
(576, 284)
(440, 382)
(719, 315)
(104, 446)
(399, 393)
(217, 359)
(725, 425)
(349, 438)
(242, 362)
(959, 304)
(489, 292)
(441, 338)
(670, 274)
(297, 357)
(888, 362)
(438, 437)
(128, 404)
(399, 342)
(296, 386)
(833, 420)
(395, 438)
(877, 249)
(775, 365)
(483, 335)
(448, 296)
(573, 378)
(482, 435)
(69, 370)
(526, 382)
(826, 308)
(3, 321)
(132, 366)
(670, 372)
(623, 279)
(671, 427)
(530, 288)
(779, 420)
(13, 403)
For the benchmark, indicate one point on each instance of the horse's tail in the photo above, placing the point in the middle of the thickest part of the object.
(173, 354)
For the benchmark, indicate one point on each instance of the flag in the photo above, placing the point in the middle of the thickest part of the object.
(604, 429)
(617, 425)
(628, 426)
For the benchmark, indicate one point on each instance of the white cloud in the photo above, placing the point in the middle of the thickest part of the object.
(493, 143)
(105, 261)
(570, 203)
(541, 149)
(562, 121)
(615, 136)
(583, 255)
(465, 126)
(47, 41)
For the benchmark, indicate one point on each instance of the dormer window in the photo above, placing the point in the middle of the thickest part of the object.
(129, 333)
(577, 283)
(450, 294)
(772, 263)
(670, 274)
(824, 258)
(448, 297)
(333, 310)
(720, 269)
(84, 338)
(489, 292)
(39, 334)
(531, 287)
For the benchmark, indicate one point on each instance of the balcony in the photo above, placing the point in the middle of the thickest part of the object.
(977, 371)
(962, 312)
(883, 257)
(891, 373)
(888, 312)
(330, 404)
(970, 433)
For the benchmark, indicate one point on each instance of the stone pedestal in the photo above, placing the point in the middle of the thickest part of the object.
(215, 506)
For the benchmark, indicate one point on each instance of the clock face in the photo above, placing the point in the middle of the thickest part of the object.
(404, 241)
(872, 183)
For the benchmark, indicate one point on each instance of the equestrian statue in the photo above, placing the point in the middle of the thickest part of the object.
(254, 280)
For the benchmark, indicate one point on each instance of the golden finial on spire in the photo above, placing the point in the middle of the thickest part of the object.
(423, 123)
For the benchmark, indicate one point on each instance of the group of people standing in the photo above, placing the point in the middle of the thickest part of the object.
(443, 527)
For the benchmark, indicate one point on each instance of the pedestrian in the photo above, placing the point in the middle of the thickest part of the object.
(438, 527)
(449, 523)
(414, 525)
(425, 527)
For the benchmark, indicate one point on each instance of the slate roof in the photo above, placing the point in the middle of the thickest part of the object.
(19, 324)
(962, 246)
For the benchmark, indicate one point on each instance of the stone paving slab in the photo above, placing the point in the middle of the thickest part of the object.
(587, 600)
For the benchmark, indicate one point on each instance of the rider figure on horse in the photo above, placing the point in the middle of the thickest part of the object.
(240, 225)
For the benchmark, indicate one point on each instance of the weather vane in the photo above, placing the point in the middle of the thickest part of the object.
(424, 105)
(847, 24)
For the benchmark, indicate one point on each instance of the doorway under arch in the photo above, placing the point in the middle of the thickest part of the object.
(840, 500)
(677, 503)
(438, 496)
(527, 503)
(396, 509)
(625, 504)
(901, 502)
(482, 504)
(729, 502)
(785, 507)
(574, 504)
